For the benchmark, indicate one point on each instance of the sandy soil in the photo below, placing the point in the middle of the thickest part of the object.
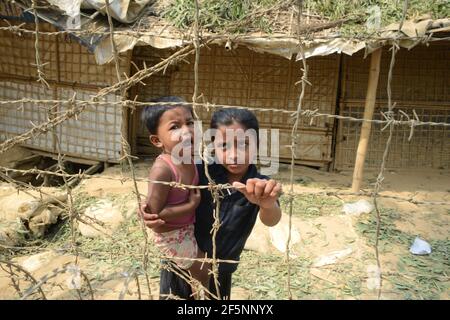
(319, 235)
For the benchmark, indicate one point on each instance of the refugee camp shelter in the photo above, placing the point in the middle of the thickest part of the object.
(253, 70)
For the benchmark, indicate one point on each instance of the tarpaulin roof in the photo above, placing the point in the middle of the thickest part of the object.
(137, 23)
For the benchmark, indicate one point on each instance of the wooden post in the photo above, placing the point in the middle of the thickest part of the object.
(369, 106)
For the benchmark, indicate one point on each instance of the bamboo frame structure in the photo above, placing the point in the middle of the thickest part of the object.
(374, 73)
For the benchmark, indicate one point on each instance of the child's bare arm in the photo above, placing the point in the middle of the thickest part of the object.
(157, 195)
(270, 215)
(263, 193)
(175, 211)
(157, 192)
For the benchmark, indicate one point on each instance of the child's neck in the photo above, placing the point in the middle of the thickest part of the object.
(235, 177)
(178, 165)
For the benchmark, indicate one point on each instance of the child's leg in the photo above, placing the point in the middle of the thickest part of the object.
(173, 285)
(200, 270)
(224, 279)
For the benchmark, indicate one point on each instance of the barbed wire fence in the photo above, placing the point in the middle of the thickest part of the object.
(76, 107)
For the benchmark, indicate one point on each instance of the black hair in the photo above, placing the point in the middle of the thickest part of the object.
(227, 116)
(152, 113)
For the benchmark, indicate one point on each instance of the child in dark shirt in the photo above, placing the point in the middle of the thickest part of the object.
(253, 194)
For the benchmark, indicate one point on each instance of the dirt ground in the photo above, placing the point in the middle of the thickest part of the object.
(332, 255)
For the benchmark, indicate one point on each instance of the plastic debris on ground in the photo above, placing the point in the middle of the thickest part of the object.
(73, 280)
(373, 277)
(279, 235)
(332, 257)
(358, 207)
(420, 247)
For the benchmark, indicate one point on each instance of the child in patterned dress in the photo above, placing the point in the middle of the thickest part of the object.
(169, 126)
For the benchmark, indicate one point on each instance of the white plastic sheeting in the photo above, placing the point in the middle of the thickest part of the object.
(125, 11)
(96, 133)
(161, 35)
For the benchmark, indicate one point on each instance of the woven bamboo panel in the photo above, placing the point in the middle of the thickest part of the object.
(246, 78)
(421, 81)
(428, 148)
(63, 59)
(95, 133)
(323, 75)
(18, 57)
(77, 65)
(16, 119)
(156, 86)
(421, 74)
(231, 84)
(10, 9)
(312, 147)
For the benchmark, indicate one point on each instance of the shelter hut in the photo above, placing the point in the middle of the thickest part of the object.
(256, 68)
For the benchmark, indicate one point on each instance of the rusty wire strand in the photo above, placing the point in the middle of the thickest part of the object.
(191, 47)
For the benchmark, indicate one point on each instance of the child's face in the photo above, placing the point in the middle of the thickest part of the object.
(234, 151)
(176, 126)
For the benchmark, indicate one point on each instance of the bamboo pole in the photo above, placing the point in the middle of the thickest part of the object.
(369, 107)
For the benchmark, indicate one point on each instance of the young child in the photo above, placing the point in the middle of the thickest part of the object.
(169, 126)
(254, 195)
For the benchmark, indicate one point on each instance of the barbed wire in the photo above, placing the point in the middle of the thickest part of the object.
(380, 177)
(202, 148)
(395, 119)
(39, 65)
(196, 41)
(82, 176)
(294, 143)
(13, 274)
